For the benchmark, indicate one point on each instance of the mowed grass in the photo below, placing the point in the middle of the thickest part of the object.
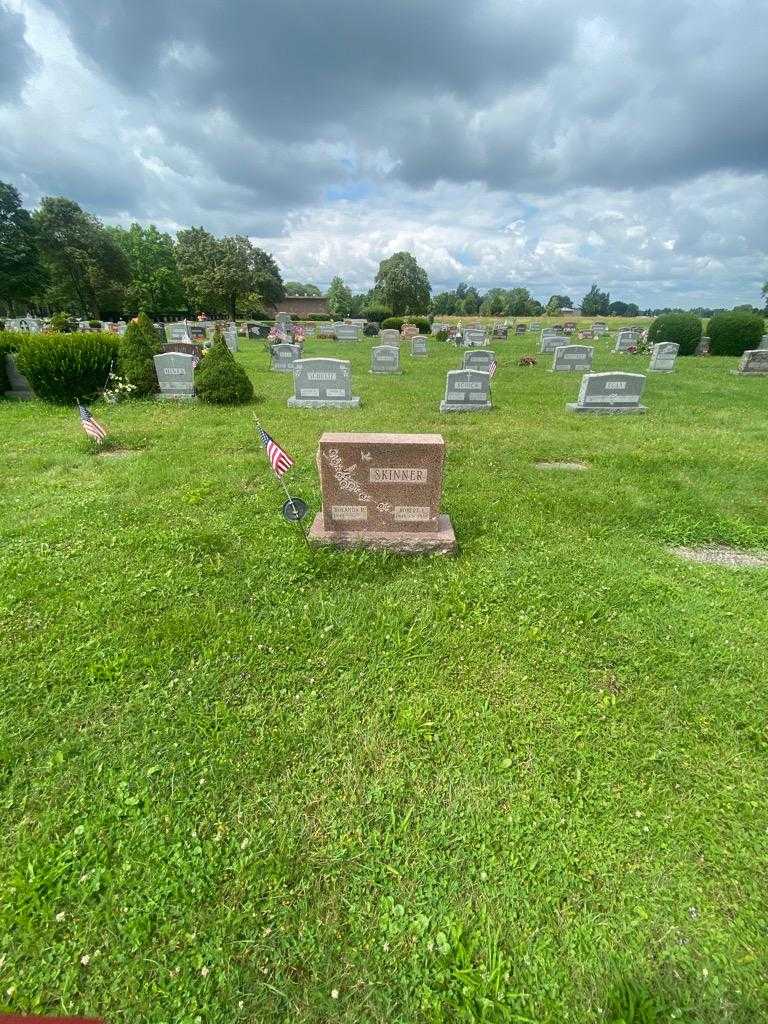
(242, 781)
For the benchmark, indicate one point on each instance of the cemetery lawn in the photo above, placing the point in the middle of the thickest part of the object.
(242, 782)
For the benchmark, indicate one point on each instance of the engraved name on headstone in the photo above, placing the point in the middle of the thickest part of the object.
(284, 356)
(323, 382)
(382, 491)
(466, 391)
(568, 358)
(611, 392)
(175, 374)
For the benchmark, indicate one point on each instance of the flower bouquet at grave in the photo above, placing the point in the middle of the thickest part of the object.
(527, 361)
(117, 388)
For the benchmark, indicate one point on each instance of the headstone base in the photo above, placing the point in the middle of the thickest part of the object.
(324, 403)
(651, 370)
(386, 373)
(461, 407)
(749, 373)
(607, 410)
(170, 397)
(403, 542)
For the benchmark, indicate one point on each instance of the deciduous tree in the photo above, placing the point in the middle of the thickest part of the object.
(21, 269)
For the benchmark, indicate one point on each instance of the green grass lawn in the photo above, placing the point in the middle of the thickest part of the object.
(242, 781)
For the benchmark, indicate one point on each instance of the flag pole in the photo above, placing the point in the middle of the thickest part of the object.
(288, 496)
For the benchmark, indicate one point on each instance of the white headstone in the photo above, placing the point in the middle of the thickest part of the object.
(754, 363)
(385, 359)
(389, 337)
(418, 345)
(664, 357)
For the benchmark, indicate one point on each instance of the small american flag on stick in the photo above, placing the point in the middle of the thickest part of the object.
(280, 460)
(492, 368)
(93, 429)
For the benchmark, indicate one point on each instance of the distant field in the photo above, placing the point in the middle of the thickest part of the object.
(243, 782)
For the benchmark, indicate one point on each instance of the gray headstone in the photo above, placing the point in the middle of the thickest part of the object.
(521, 329)
(230, 336)
(550, 340)
(703, 347)
(20, 386)
(573, 357)
(466, 391)
(385, 359)
(625, 340)
(664, 357)
(197, 331)
(178, 332)
(473, 337)
(347, 332)
(418, 345)
(175, 374)
(478, 359)
(612, 392)
(323, 382)
(284, 356)
(283, 318)
(534, 327)
(599, 328)
(763, 342)
(389, 337)
(754, 363)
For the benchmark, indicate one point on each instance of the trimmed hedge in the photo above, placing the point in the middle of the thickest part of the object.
(422, 322)
(137, 349)
(731, 334)
(220, 379)
(377, 313)
(65, 367)
(682, 328)
(392, 323)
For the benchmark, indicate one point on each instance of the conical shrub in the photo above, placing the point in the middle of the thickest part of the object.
(220, 379)
(136, 364)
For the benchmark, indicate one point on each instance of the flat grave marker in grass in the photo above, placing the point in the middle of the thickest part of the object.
(322, 382)
(754, 363)
(611, 392)
(385, 359)
(467, 391)
(175, 374)
(383, 491)
(664, 357)
(568, 358)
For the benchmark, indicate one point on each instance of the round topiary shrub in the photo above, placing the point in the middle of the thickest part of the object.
(393, 323)
(682, 328)
(731, 334)
(377, 314)
(65, 367)
(220, 379)
(137, 349)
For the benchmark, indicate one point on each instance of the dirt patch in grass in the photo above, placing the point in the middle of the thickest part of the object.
(571, 466)
(719, 554)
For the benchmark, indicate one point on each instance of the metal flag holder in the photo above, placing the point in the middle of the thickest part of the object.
(294, 509)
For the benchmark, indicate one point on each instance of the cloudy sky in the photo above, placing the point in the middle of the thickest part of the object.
(547, 143)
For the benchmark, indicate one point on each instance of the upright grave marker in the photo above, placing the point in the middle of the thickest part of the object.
(383, 491)
(467, 391)
(478, 359)
(389, 337)
(418, 345)
(754, 363)
(625, 340)
(284, 356)
(346, 332)
(612, 392)
(321, 383)
(550, 339)
(568, 358)
(175, 374)
(385, 359)
(472, 337)
(521, 329)
(664, 357)
(230, 337)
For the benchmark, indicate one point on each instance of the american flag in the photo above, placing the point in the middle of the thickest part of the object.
(281, 461)
(492, 368)
(93, 429)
